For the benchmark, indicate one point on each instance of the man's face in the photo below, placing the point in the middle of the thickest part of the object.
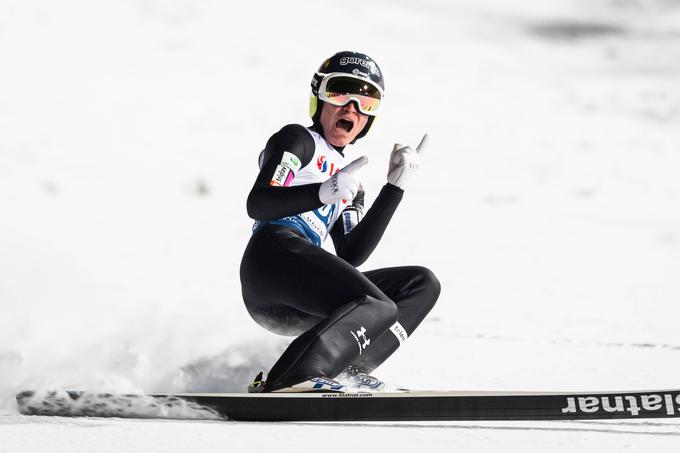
(341, 125)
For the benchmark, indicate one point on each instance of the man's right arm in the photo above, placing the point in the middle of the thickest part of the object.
(271, 197)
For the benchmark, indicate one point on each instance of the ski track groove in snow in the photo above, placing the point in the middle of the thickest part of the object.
(39, 433)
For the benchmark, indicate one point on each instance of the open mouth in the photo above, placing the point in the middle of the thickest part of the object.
(345, 124)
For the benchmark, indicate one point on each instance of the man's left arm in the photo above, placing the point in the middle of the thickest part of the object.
(355, 243)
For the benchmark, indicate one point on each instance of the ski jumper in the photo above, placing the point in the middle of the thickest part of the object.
(292, 286)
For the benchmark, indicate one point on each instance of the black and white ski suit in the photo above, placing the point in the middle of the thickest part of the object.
(292, 286)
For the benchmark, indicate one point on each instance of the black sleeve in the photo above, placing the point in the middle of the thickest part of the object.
(356, 246)
(266, 202)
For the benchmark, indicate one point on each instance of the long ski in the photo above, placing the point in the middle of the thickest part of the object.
(379, 406)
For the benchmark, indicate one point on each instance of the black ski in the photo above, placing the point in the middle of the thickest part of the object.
(380, 406)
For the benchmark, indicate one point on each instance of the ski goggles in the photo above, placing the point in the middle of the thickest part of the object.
(340, 89)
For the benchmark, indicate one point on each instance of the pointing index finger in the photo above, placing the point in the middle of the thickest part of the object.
(422, 145)
(356, 164)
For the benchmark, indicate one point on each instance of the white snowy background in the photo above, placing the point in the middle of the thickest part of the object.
(548, 205)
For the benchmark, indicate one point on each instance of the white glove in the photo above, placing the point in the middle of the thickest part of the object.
(342, 185)
(404, 162)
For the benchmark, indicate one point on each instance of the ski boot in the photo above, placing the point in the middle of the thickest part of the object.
(257, 386)
(315, 384)
(360, 382)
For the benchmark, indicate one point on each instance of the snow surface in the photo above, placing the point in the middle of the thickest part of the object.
(548, 206)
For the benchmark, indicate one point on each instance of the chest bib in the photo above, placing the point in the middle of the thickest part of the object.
(315, 224)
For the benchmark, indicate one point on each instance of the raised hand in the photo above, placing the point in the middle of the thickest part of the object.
(404, 162)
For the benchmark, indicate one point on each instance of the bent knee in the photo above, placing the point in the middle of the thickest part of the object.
(384, 309)
(429, 283)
